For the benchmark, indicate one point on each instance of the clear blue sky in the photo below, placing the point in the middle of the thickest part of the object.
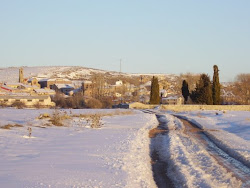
(150, 36)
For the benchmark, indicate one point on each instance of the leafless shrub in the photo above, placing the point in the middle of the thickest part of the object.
(106, 102)
(58, 117)
(94, 121)
(76, 101)
(3, 104)
(37, 105)
(29, 131)
(93, 103)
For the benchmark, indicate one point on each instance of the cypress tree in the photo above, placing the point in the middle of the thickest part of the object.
(203, 91)
(154, 94)
(216, 86)
(185, 90)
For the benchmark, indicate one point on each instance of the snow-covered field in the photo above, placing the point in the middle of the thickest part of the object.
(118, 153)
(75, 155)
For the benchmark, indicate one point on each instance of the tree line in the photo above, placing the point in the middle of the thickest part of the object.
(205, 92)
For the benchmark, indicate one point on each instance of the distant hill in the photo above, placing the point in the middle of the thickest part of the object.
(11, 74)
(78, 73)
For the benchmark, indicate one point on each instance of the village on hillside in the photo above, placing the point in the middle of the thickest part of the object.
(39, 91)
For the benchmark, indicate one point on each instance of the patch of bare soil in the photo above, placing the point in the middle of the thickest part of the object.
(154, 132)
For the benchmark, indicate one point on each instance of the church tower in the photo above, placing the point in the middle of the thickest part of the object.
(21, 75)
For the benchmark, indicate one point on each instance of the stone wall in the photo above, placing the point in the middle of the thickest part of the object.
(207, 107)
(192, 107)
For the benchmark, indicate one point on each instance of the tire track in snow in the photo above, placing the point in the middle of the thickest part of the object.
(188, 162)
(239, 170)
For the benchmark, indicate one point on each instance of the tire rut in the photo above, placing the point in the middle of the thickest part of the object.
(159, 167)
(236, 167)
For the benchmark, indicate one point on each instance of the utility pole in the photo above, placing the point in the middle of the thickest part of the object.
(120, 66)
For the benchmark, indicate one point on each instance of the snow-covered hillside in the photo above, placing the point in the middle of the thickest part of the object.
(11, 74)
(71, 72)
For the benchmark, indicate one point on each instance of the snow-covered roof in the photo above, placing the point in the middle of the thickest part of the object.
(44, 90)
(24, 97)
(14, 84)
(67, 86)
(43, 80)
(147, 83)
(171, 97)
(4, 87)
(28, 86)
(87, 82)
(29, 80)
(54, 79)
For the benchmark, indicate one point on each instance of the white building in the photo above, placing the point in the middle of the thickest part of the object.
(172, 100)
(29, 101)
(119, 83)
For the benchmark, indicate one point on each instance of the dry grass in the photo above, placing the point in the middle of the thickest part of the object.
(9, 126)
(3, 104)
(58, 117)
(44, 116)
(103, 114)
(93, 120)
(247, 119)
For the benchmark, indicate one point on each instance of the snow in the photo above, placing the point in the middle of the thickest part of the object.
(230, 130)
(115, 155)
(189, 163)
(118, 153)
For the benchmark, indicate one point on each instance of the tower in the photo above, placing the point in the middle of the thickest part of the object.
(21, 75)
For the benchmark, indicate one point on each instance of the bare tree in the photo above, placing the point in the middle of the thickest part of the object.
(98, 85)
(242, 88)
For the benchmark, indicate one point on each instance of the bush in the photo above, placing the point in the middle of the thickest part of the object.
(58, 117)
(18, 104)
(59, 99)
(93, 103)
(3, 104)
(95, 121)
(76, 101)
(37, 105)
(107, 102)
